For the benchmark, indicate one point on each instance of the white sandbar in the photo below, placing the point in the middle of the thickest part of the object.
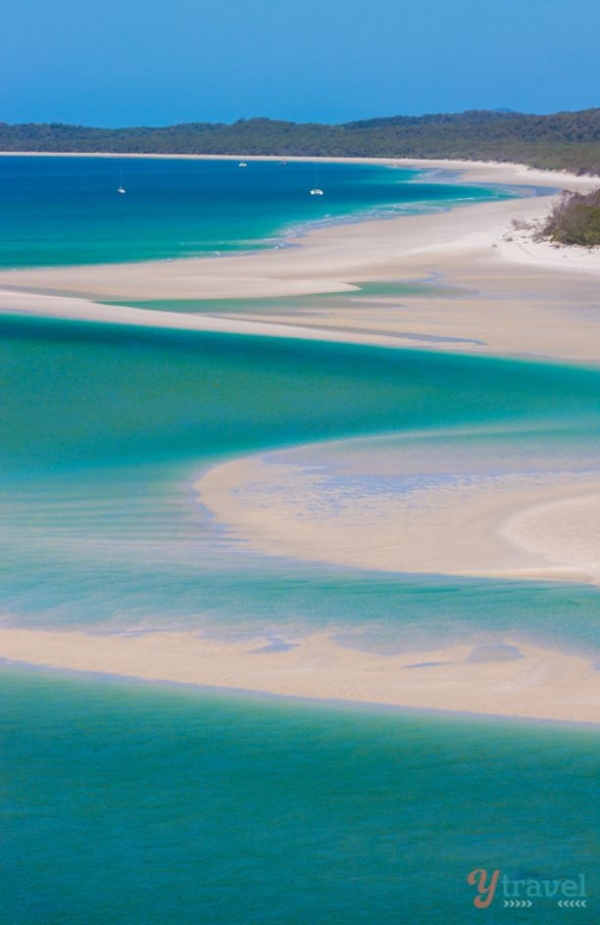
(527, 682)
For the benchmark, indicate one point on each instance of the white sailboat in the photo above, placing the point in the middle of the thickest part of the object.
(316, 190)
(242, 164)
(121, 188)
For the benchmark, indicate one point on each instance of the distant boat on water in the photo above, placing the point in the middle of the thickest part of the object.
(121, 188)
(242, 164)
(316, 190)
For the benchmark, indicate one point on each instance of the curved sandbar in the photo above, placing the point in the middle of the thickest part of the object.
(508, 679)
(525, 298)
(416, 505)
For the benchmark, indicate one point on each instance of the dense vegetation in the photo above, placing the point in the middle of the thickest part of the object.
(574, 219)
(566, 140)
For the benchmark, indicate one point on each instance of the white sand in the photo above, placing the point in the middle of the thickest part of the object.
(566, 530)
(326, 259)
(524, 299)
(540, 684)
(78, 309)
(536, 525)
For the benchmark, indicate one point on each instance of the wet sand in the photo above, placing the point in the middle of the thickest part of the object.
(521, 299)
(506, 679)
(497, 524)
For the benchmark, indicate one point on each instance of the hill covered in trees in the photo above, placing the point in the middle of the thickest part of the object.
(566, 140)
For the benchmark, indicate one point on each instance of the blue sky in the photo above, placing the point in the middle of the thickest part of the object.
(116, 62)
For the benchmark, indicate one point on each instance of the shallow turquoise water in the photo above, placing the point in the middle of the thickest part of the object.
(66, 210)
(135, 804)
(128, 804)
(365, 293)
(107, 427)
(77, 392)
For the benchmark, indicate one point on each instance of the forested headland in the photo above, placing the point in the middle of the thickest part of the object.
(563, 141)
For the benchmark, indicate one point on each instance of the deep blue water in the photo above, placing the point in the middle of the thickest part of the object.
(66, 210)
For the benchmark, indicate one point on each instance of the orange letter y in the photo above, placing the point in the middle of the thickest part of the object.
(486, 893)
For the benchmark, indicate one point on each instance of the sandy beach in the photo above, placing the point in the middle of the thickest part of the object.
(521, 296)
(528, 526)
(504, 678)
(511, 297)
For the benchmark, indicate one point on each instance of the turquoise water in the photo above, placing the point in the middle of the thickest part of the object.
(366, 293)
(66, 210)
(128, 804)
(135, 804)
(81, 392)
(107, 427)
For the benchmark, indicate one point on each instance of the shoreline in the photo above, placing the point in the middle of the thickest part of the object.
(297, 504)
(513, 168)
(519, 298)
(521, 301)
(508, 679)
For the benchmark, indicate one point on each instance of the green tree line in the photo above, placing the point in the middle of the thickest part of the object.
(565, 140)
